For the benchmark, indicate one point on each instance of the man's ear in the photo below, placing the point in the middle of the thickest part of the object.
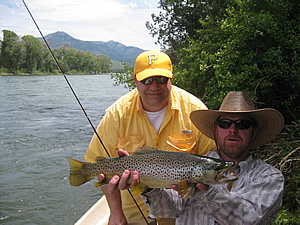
(135, 80)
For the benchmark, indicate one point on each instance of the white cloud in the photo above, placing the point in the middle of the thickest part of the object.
(97, 20)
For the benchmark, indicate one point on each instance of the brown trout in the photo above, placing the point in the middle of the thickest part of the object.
(157, 169)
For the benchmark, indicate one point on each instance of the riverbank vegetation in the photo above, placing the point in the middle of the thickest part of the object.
(218, 46)
(28, 55)
(284, 154)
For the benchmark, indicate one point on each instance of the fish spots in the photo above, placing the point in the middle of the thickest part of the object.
(159, 168)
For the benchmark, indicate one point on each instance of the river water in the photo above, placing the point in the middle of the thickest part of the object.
(41, 125)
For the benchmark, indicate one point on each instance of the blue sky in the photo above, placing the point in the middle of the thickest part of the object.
(89, 20)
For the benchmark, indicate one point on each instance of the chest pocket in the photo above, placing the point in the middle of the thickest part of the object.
(181, 142)
(130, 143)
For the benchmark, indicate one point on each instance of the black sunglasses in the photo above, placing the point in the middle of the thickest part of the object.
(240, 124)
(159, 80)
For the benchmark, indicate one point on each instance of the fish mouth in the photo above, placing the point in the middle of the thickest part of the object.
(220, 176)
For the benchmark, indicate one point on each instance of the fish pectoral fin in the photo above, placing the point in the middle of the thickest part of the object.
(138, 189)
(185, 189)
(101, 182)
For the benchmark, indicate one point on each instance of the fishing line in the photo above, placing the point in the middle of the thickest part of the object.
(66, 79)
(77, 99)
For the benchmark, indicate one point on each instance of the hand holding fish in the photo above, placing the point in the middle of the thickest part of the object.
(116, 182)
(123, 182)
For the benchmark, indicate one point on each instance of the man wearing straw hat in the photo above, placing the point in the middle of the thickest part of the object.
(256, 196)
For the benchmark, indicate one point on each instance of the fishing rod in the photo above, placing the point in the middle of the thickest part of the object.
(66, 79)
(77, 99)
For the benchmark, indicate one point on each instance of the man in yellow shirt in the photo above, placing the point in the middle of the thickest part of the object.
(155, 114)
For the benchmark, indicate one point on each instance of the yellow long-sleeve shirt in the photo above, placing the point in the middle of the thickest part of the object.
(126, 126)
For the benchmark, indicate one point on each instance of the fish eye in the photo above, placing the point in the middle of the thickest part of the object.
(220, 165)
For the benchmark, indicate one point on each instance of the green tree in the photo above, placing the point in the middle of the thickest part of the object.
(30, 54)
(255, 48)
(45, 62)
(180, 20)
(74, 60)
(33, 52)
(125, 78)
(104, 63)
(10, 56)
(61, 54)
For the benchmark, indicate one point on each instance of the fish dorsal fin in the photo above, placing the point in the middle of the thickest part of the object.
(100, 158)
(145, 149)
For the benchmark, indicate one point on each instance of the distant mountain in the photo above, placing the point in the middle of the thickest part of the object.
(115, 50)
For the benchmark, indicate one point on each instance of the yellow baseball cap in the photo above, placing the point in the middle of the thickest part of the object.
(153, 63)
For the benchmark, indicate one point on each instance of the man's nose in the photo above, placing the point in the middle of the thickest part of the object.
(154, 84)
(233, 128)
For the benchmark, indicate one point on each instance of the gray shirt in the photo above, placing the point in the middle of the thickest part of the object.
(255, 198)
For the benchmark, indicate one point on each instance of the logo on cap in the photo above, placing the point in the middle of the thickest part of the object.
(152, 57)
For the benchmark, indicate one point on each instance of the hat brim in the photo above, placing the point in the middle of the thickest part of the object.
(153, 72)
(269, 122)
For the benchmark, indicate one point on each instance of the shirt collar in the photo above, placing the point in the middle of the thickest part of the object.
(245, 164)
(174, 99)
(138, 101)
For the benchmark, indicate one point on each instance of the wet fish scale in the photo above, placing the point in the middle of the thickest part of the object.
(152, 165)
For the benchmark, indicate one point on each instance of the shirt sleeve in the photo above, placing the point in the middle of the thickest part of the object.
(255, 203)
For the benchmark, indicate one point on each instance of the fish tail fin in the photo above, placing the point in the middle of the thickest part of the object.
(77, 175)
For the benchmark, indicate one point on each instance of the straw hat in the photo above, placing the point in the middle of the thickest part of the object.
(268, 121)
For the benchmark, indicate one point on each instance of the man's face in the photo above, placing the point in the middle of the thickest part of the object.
(233, 142)
(154, 96)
